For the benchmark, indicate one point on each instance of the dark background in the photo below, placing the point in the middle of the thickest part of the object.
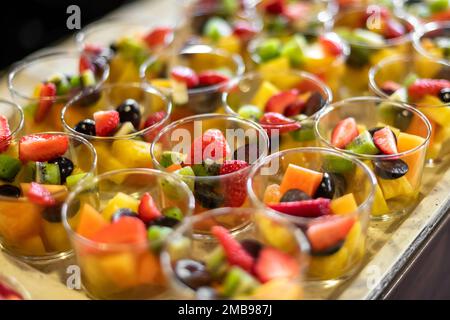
(29, 25)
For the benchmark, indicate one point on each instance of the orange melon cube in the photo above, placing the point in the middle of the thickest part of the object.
(59, 192)
(91, 221)
(344, 205)
(415, 160)
(297, 177)
(19, 219)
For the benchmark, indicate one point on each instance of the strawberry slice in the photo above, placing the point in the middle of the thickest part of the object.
(47, 97)
(235, 185)
(158, 37)
(235, 253)
(210, 78)
(422, 87)
(5, 133)
(244, 30)
(331, 44)
(92, 49)
(126, 230)
(85, 64)
(106, 122)
(328, 231)
(280, 101)
(304, 208)
(185, 75)
(151, 120)
(40, 195)
(392, 28)
(148, 211)
(42, 147)
(274, 6)
(272, 121)
(275, 264)
(385, 141)
(344, 133)
(295, 108)
(212, 144)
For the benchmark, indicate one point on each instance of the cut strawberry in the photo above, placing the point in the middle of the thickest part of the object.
(85, 63)
(47, 97)
(212, 144)
(385, 140)
(235, 185)
(304, 208)
(422, 87)
(106, 122)
(392, 28)
(185, 75)
(5, 133)
(272, 121)
(153, 119)
(42, 147)
(331, 44)
(92, 49)
(295, 108)
(38, 194)
(210, 78)
(244, 30)
(235, 253)
(126, 230)
(274, 6)
(280, 101)
(148, 211)
(328, 231)
(344, 133)
(389, 87)
(158, 37)
(274, 264)
(295, 11)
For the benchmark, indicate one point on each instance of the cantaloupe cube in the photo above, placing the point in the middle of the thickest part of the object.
(32, 246)
(149, 270)
(344, 205)
(297, 177)
(119, 201)
(19, 220)
(91, 221)
(415, 160)
(55, 236)
(265, 92)
(120, 269)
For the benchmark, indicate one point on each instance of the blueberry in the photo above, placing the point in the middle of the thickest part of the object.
(86, 126)
(8, 190)
(390, 169)
(402, 119)
(444, 95)
(207, 293)
(206, 196)
(252, 247)
(129, 111)
(89, 97)
(326, 187)
(65, 167)
(165, 222)
(294, 195)
(314, 103)
(192, 273)
(124, 212)
(328, 251)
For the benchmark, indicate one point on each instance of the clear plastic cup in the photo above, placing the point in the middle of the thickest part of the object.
(14, 115)
(431, 41)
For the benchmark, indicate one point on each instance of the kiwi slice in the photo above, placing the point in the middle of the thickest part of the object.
(169, 158)
(47, 173)
(363, 144)
(9, 167)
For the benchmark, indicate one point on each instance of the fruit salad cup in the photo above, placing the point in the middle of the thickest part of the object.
(428, 10)
(11, 122)
(117, 223)
(432, 41)
(373, 33)
(323, 56)
(283, 103)
(121, 124)
(308, 187)
(36, 173)
(10, 289)
(390, 137)
(195, 78)
(236, 253)
(126, 43)
(423, 83)
(213, 154)
(42, 84)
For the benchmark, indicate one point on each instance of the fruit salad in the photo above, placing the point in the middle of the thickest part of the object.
(391, 138)
(11, 122)
(373, 33)
(283, 103)
(195, 78)
(433, 41)
(428, 10)
(44, 83)
(241, 254)
(216, 155)
(36, 173)
(117, 223)
(11, 290)
(309, 187)
(121, 124)
(421, 82)
(323, 56)
(125, 44)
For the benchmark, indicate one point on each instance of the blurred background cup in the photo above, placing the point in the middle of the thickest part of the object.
(432, 41)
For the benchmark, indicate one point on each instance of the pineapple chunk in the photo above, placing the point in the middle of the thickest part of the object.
(396, 188)
(264, 93)
(132, 153)
(379, 206)
(281, 64)
(230, 44)
(119, 201)
(440, 115)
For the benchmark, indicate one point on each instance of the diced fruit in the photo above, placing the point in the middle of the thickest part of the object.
(86, 126)
(216, 262)
(47, 173)
(250, 112)
(344, 205)
(129, 111)
(380, 206)
(244, 30)
(293, 195)
(157, 234)
(280, 101)
(192, 273)
(106, 122)
(392, 28)
(47, 97)
(158, 37)
(235, 186)
(390, 169)
(273, 264)
(211, 77)
(265, 91)
(396, 187)
(269, 49)
(217, 28)
(275, 123)
(363, 144)
(57, 191)
(294, 50)
(304, 208)
(148, 211)
(212, 144)
(389, 87)
(65, 167)
(91, 221)
(169, 158)
(274, 7)
(278, 289)
(414, 160)
(9, 167)
(331, 44)
(42, 147)
(187, 175)
(424, 87)
(119, 268)
(297, 177)
(123, 212)
(5, 133)
(385, 141)
(127, 230)
(238, 282)
(120, 200)
(19, 219)
(132, 153)
(344, 132)
(327, 232)
(272, 194)
(38, 194)
(337, 164)
(185, 75)
(173, 213)
(73, 180)
(332, 185)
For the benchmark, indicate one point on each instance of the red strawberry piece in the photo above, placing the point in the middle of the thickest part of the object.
(185, 75)
(440, 16)
(305, 208)
(38, 194)
(212, 144)
(295, 11)
(244, 30)
(392, 29)
(148, 211)
(235, 253)
(42, 147)
(389, 87)
(158, 37)
(422, 87)
(126, 230)
(5, 133)
(85, 63)
(385, 140)
(275, 264)
(279, 102)
(235, 185)
(328, 231)
(92, 49)
(274, 6)
(211, 77)
(295, 108)
(272, 121)
(331, 44)
(47, 97)
(151, 120)
(106, 122)
(344, 132)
